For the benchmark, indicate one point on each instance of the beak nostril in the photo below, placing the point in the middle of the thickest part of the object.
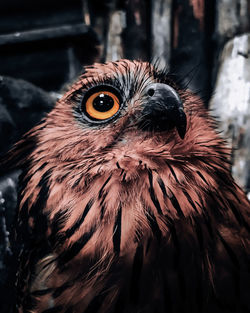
(151, 92)
(163, 109)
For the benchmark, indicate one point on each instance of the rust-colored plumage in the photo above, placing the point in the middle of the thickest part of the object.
(123, 217)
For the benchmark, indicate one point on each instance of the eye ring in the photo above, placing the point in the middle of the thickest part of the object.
(101, 104)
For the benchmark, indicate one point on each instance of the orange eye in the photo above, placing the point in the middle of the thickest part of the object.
(102, 105)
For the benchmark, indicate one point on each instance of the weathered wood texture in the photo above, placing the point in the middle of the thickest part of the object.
(122, 26)
(175, 33)
(136, 34)
(97, 15)
(63, 32)
(117, 25)
(232, 18)
(16, 15)
(231, 67)
(161, 21)
(140, 30)
(231, 103)
(191, 53)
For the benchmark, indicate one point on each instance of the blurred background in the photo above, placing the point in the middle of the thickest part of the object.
(45, 43)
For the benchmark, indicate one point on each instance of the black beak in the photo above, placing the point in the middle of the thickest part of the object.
(163, 110)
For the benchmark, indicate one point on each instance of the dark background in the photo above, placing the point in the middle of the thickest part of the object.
(35, 46)
(44, 45)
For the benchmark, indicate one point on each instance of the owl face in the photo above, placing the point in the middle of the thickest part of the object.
(140, 98)
(124, 114)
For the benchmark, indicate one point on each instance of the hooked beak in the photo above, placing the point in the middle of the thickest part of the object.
(164, 110)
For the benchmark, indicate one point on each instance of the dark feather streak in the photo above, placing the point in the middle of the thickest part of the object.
(153, 225)
(58, 291)
(190, 200)
(76, 183)
(175, 203)
(124, 177)
(152, 193)
(76, 247)
(162, 186)
(43, 194)
(78, 223)
(202, 177)
(173, 172)
(117, 231)
(103, 186)
(57, 224)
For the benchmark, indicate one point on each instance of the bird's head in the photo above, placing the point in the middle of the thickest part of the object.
(123, 116)
(127, 115)
(130, 96)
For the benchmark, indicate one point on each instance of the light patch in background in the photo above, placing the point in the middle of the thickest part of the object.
(231, 103)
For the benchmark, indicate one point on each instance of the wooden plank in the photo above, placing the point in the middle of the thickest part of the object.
(192, 54)
(231, 103)
(59, 32)
(161, 31)
(136, 34)
(232, 18)
(117, 25)
(97, 15)
(231, 100)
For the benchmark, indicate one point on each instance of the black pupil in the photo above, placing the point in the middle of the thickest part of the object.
(103, 103)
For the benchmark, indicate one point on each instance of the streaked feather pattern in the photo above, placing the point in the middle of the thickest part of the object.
(117, 219)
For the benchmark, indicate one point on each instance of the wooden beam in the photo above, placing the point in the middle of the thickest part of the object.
(161, 31)
(44, 34)
(232, 18)
(231, 104)
(191, 53)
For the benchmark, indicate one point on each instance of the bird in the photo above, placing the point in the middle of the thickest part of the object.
(127, 203)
